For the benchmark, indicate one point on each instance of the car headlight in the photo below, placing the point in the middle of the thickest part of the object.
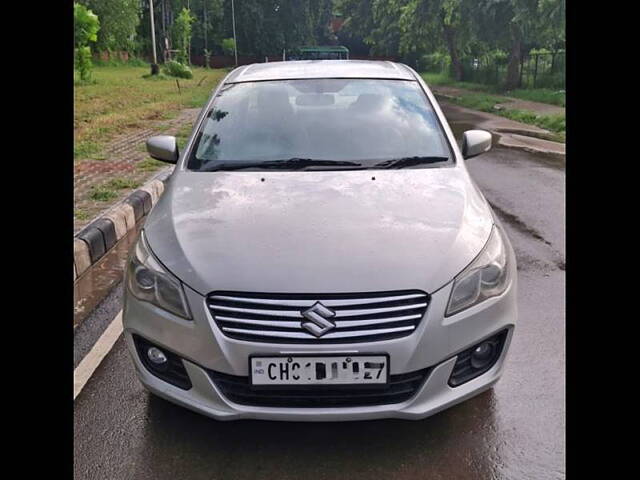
(149, 281)
(486, 277)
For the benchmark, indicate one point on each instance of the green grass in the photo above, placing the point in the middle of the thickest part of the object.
(444, 79)
(88, 149)
(542, 95)
(150, 165)
(155, 78)
(480, 101)
(121, 183)
(102, 194)
(80, 215)
(183, 135)
(553, 123)
(121, 100)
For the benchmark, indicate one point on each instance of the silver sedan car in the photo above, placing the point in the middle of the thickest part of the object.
(320, 253)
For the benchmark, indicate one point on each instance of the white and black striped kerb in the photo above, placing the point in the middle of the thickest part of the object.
(97, 238)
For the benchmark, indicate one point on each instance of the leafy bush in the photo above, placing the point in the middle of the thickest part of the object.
(83, 63)
(228, 46)
(86, 26)
(177, 69)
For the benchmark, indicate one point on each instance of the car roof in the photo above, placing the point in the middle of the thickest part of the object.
(299, 69)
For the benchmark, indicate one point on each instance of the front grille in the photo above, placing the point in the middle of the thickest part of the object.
(399, 389)
(354, 317)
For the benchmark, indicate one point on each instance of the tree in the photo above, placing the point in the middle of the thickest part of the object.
(208, 30)
(86, 26)
(182, 35)
(320, 20)
(413, 27)
(118, 22)
(362, 19)
(263, 27)
(517, 26)
(267, 27)
(433, 25)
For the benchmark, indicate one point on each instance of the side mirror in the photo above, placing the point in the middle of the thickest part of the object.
(164, 148)
(475, 142)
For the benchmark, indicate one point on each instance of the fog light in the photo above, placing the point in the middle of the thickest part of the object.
(482, 355)
(163, 364)
(478, 359)
(156, 356)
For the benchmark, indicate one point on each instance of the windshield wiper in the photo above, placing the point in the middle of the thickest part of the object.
(410, 161)
(294, 163)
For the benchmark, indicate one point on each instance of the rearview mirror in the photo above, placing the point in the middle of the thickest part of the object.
(163, 148)
(475, 142)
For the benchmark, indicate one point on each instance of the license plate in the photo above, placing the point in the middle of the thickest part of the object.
(319, 370)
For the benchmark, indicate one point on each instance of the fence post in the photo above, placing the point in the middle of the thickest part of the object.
(535, 70)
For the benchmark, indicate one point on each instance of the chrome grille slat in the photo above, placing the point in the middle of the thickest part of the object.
(308, 303)
(298, 314)
(357, 317)
(295, 324)
(328, 336)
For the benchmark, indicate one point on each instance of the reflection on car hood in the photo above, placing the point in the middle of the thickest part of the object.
(319, 232)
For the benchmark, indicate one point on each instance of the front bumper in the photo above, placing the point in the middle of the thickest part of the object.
(434, 344)
(434, 396)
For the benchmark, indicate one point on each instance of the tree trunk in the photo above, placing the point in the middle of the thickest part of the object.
(513, 75)
(456, 64)
(204, 24)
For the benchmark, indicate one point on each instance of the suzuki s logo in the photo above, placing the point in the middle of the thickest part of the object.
(318, 322)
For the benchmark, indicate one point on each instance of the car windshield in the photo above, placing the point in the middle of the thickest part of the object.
(322, 124)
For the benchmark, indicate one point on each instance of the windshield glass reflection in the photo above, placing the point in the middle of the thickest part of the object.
(355, 120)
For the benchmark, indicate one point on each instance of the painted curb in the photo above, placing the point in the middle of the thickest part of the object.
(92, 242)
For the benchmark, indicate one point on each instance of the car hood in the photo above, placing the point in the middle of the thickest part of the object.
(320, 231)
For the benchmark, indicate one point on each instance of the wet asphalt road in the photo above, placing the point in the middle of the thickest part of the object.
(514, 431)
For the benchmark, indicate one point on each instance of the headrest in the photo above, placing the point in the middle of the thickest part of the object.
(368, 102)
(274, 100)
